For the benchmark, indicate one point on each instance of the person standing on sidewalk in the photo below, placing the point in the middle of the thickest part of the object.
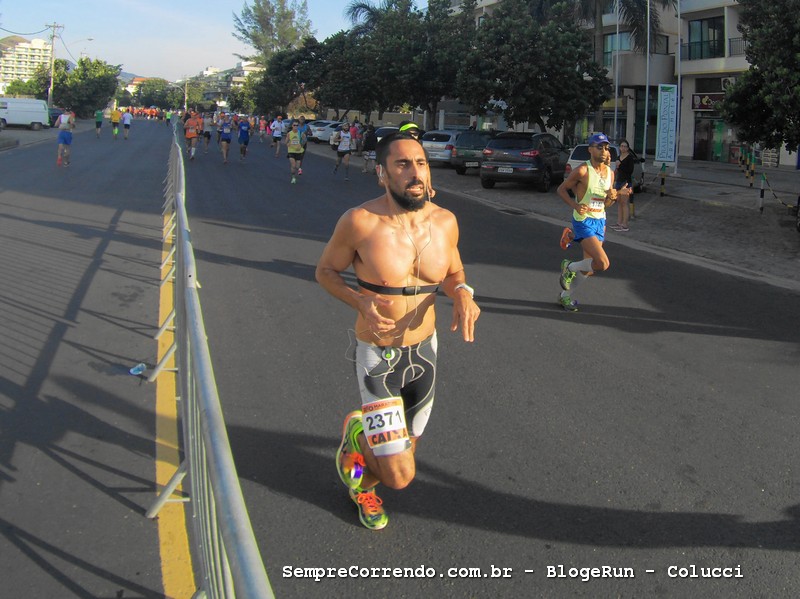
(403, 248)
(623, 178)
(592, 184)
(65, 123)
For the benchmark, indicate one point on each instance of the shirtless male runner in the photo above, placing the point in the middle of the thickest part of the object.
(403, 248)
(592, 183)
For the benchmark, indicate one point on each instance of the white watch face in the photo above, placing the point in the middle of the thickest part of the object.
(469, 289)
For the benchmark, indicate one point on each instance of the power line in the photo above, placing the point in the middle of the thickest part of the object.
(16, 33)
(63, 43)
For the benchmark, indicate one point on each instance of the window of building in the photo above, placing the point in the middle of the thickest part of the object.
(660, 44)
(610, 45)
(706, 39)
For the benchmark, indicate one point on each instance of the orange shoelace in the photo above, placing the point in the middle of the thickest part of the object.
(370, 501)
(354, 459)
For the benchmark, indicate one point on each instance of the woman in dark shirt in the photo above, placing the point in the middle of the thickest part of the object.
(623, 177)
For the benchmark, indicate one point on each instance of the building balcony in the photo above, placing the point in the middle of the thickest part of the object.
(694, 6)
(707, 58)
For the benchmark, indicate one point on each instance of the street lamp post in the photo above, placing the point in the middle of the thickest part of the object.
(680, 112)
(86, 39)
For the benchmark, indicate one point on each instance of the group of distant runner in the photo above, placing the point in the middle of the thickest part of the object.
(292, 134)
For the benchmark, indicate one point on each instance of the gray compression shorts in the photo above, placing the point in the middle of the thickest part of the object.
(406, 372)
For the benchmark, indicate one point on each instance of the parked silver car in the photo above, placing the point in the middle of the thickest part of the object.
(439, 144)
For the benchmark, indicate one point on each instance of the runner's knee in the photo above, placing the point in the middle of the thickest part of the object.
(399, 477)
(601, 264)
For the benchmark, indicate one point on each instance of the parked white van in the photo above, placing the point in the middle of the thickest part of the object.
(24, 111)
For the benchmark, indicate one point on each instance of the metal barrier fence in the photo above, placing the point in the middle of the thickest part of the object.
(223, 543)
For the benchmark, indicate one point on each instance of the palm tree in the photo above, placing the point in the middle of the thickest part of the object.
(365, 16)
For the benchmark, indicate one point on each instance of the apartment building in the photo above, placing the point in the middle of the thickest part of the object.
(710, 55)
(19, 58)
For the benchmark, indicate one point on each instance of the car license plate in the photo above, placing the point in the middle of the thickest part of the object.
(468, 164)
(505, 169)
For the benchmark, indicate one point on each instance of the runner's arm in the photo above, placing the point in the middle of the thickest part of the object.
(337, 257)
(571, 184)
(465, 310)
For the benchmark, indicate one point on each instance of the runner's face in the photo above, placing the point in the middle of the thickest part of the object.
(406, 174)
(599, 153)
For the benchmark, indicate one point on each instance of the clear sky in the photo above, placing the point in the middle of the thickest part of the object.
(151, 38)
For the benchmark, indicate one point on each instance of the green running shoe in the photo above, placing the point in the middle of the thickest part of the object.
(568, 304)
(566, 275)
(349, 459)
(370, 511)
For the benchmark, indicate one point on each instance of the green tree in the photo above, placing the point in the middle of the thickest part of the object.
(153, 92)
(270, 26)
(334, 72)
(530, 71)
(123, 97)
(391, 36)
(194, 89)
(287, 75)
(90, 85)
(20, 88)
(764, 102)
(448, 40)
(365, 16)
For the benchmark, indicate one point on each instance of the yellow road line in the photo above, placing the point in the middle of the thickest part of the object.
(176, 562)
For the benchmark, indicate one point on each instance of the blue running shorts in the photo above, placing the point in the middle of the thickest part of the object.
(591, 227)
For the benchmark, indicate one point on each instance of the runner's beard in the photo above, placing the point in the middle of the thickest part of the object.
(407, 202)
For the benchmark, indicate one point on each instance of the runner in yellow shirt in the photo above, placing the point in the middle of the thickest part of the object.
(116, 116)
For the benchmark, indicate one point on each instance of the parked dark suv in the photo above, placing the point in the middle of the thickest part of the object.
(532, 158)
(468, 150)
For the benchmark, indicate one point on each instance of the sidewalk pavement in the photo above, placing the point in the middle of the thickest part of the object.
(709, 215)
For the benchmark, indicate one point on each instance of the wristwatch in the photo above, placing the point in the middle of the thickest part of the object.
(465, 287)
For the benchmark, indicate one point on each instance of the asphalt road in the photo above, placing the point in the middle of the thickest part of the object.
(653, 430)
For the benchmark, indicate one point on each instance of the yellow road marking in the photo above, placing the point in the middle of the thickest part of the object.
(176, 563)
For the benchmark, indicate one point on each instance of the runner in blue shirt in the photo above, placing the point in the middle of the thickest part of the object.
(225, 131)
(244, 137)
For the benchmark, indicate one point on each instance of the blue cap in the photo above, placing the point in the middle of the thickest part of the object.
(598, 138)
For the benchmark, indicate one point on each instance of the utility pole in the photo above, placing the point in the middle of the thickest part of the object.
(55, 27)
